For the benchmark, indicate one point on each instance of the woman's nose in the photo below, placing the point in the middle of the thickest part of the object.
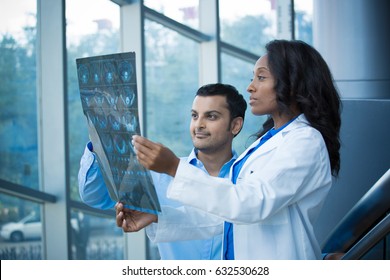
(250, 87)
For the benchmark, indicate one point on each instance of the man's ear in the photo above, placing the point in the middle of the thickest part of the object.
(237, 124)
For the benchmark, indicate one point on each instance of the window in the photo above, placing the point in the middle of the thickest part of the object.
(96, 32)
(20, 223)
(95, 238)
(304, 20)
(248, 24)
(21, 236)
(183, 11)
(88, 34)
(171, 83)
(18, 106)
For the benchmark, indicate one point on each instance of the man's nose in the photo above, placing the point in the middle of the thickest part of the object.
(200, 123)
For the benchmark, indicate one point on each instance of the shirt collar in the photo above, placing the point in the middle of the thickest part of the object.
(193, 160)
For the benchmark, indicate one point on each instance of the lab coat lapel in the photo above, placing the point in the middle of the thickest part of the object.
(271, 144)
(274, 141)
(267, 146)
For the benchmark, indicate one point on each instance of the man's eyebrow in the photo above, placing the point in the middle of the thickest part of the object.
(207, 112)
(213, 111)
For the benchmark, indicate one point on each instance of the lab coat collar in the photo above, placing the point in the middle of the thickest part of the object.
(275, 140)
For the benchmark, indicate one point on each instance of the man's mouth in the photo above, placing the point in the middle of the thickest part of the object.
(201, 135)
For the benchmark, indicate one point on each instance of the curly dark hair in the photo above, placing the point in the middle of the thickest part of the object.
(302, 77)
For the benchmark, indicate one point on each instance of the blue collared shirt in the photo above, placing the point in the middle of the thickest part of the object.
(94, 193)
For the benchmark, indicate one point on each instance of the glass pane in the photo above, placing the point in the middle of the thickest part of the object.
(20, 229)
(87, 34)
(238, 73)
(95, 238)
(183, 11)
(304, 20)
(249, 24)
(18, 106)
(171, 83)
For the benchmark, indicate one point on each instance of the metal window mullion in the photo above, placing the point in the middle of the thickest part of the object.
(51, 75)
(25, 193)
(132, 39)
(239, 53)
(76, 205)
(176, 26)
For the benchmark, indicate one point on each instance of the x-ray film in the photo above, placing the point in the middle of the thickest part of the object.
(108, 91)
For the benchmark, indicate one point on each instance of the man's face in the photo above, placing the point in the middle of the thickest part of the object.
(210, 126)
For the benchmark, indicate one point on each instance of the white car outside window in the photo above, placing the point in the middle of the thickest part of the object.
(30, 227)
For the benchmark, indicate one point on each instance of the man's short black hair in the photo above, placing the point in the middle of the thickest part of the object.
(236, 102)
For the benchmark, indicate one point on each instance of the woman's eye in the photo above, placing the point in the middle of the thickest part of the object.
(260, 78)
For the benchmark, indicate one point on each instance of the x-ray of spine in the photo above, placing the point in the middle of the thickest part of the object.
(108, 92)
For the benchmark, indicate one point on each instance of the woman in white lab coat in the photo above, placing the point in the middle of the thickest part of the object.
(278, 185)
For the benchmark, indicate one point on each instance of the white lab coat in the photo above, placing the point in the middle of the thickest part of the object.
(278, 195)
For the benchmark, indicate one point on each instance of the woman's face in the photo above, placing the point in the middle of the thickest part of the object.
(261, 89)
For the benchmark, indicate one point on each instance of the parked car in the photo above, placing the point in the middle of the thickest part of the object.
(29, 227)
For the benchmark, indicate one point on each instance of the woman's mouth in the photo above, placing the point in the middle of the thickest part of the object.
(251, 101)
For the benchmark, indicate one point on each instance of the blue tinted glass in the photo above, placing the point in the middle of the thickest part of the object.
(21, 231)
(88, 34)
(172, 63)
(18, 106)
